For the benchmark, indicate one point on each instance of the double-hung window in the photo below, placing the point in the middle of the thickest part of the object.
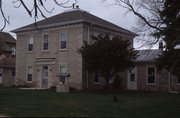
(30, 44)
(151, 75)
(178, 80)
(63, 70)
(29, 74)
(45, 43)
(63, 40)
(96, 78)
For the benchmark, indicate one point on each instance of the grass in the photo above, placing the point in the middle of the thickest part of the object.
(19, 103)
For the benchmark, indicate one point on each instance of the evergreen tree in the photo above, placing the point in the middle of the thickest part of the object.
(170, 15)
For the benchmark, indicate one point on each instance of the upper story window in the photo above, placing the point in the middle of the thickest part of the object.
(63, 40)
(30, 44)
(13, 51)
(45, 42)
(151, 75)
(2, 56)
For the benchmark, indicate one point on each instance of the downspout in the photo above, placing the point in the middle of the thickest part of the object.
(87, 73)
(169, 84)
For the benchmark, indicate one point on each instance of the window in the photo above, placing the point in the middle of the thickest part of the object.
(151, 75)
(178, 79)
(63, 40)
(132, 77)
(63, 70)
(30, 44)
(111, 37)
(13, 72)
(13, 51)
(46, 42)
(29, 74)
(2, 56)
(96, 78)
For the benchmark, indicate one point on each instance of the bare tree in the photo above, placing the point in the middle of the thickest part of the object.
(34, 10)
(149, 21)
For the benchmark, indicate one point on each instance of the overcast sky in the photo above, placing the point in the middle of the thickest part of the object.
(104, 10)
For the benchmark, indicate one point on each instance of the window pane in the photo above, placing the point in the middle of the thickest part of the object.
(29, 77)
(30, 47)
(151, 71)
(46, 39)
(132, 77)
(151, 79)
(29, 70)
(31, 41)
(62, 79)
(45, 46)
(63, 69)
(96, 78)
(63, 44)
(13, 72)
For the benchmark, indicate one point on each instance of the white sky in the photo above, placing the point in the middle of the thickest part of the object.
(104, 10)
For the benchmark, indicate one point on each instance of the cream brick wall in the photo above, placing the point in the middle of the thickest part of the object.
(68, 57)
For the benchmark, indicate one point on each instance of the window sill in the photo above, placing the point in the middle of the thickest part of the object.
(151, 84)
(45, 51)
(62, 50)
(96, 83)
(30, 52)
(29, 82)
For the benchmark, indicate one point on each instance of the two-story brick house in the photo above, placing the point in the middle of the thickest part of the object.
(49, 47)
(7, 59)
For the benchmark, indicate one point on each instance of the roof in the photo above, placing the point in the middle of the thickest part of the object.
(148, 55)
(71, 17)
(6, 37)
(4, 47)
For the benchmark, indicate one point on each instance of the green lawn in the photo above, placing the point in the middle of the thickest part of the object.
(15, 102)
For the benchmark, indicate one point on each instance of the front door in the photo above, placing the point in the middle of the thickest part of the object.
(45, 77)
(132, 79)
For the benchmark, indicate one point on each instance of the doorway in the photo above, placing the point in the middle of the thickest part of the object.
(132, 79)
(45, 75)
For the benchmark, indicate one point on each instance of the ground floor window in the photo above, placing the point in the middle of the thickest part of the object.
(29, 74)
(13, 72)
(151, 76)
(132, 78)
(178, 79)
(96, 78)
(63, 71)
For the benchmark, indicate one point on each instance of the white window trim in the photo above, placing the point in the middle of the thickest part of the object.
(27, 75)
(147, 75)
(43, 43)
(60, 42)
(28, 44)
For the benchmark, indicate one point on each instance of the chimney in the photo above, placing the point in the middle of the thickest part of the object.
(161, 45)
(77, 6)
